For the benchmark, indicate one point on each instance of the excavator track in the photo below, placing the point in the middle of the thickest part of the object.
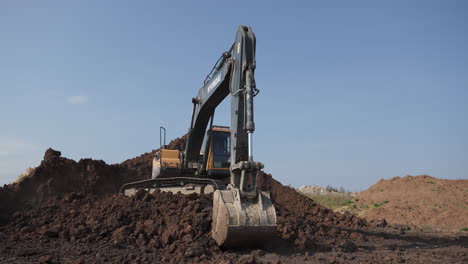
(163, 183)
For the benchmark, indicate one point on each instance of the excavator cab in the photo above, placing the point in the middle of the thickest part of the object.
(217, 146)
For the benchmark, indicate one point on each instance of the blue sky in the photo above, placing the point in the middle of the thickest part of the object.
(351, 92)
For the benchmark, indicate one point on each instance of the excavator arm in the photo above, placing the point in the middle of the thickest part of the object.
(232, 75)
(241, 213)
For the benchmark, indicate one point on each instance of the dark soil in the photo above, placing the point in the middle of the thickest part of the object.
(57, 175)
(70, 212)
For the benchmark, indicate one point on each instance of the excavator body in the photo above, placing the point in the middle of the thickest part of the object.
(166, 163)
(217, 159)
(213, 162)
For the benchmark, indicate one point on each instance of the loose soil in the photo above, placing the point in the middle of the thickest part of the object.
(70, 212)
(419, 201)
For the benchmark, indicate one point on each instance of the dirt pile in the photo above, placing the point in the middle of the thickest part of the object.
(418, 200)
(163, 226)
(157, 227)
(57, 175)
(301, 220)
(68, 211)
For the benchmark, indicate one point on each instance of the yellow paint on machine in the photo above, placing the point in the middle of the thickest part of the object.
(170, 158)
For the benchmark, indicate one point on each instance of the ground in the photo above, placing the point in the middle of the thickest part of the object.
(70, 212)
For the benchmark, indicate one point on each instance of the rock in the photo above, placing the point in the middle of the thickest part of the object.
(258, 252)
(120, 235)
(187, 229)
(80, 261)
(91, 238)
(187, 238)
(26, 229)
(349, 246)
(148, 223)
(141, 241)
(401, 227)
(331, 260)
(51, 153)
(195, 252)
(355, 236)
(387, 259)
(73, 196)
(154, 243)
(392, 247)
(172, 248)
(45, 259)
(310, 244)
(167, 237)
(148, 197)
(247, 260)
(50, 233)
(381, 222)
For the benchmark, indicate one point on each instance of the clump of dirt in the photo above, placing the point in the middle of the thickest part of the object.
(419, 201)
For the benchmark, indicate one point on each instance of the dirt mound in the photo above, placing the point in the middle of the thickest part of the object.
(76, 202)
(168, 228)
(301, 220)
(418, 200)
(68, 211)
(159, 226)
(162, 226)
(57, 175)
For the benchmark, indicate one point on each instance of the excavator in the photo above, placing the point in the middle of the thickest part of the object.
(218, 159)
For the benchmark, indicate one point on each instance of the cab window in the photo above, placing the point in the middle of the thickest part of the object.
(221, 149)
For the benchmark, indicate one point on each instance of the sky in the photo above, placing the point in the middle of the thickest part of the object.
(350, 91)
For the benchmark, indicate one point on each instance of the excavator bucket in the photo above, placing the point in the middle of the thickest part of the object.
(240, 222)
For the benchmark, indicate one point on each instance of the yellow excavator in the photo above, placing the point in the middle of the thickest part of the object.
(217, 159)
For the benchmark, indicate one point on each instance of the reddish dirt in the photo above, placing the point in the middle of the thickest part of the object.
(419, 201)
(69, 212)
(57, 175)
